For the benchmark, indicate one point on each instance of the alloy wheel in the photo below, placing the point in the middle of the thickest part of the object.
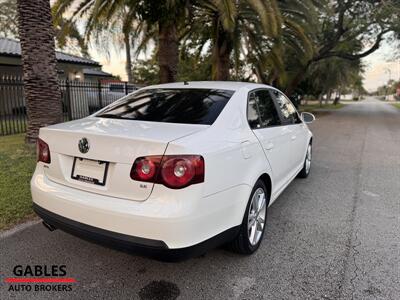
(308, 159)
(256, 217)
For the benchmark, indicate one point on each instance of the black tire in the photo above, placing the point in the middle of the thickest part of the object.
(241, 244)
(306, 171)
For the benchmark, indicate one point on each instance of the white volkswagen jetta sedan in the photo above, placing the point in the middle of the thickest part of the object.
(173, 169)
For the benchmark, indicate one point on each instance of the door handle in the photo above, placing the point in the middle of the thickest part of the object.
(293, 137)
(269, 146)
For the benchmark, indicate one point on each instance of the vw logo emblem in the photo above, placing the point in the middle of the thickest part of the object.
(83, 145)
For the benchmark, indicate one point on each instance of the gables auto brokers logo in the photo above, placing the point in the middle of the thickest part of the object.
(40, 278)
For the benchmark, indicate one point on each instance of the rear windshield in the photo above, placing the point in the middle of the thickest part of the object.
(187, 106)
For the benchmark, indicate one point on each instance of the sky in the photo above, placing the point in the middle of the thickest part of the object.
(380, 65)
(114, 64)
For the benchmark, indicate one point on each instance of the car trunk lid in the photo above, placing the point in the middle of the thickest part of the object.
(113, 145)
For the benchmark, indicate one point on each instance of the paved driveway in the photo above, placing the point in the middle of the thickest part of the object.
(335, 235)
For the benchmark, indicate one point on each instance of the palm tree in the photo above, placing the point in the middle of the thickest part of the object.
(114, 30)
(107, 23)
(167, 16)
(41, 90)
(67, 34)
(252, 37)
(103, 15)
(68, 37)
(168, 53)
(235, 27)
(294, 46)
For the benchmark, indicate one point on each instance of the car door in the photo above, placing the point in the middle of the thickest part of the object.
(266, 124)
(294, 128)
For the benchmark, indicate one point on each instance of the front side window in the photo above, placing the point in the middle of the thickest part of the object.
(287, 109)
(185, 106)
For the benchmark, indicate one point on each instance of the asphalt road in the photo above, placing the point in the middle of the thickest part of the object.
(335, 235)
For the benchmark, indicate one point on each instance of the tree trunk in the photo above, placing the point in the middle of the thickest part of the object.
(328, 96)
(168, 55)
(222, 48)
(320, 98)
(337, 98)
(41, 90)
(128, 64)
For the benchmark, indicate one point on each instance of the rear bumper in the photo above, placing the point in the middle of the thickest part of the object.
(152, 248)
(169, 219)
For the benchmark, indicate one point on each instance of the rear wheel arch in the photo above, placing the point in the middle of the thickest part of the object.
(241, 243)
(266, 179)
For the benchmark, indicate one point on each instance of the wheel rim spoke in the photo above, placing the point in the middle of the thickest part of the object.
(260, 219)
(252, 219)
(256, 216)
(308, 159)
(261, 202)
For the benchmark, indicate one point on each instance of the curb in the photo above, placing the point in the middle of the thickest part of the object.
(18, 228)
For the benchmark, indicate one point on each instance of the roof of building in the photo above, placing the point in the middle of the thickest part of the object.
(96, 72)
(10, 47)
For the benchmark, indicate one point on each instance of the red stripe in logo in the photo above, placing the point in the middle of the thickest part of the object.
(39, 280)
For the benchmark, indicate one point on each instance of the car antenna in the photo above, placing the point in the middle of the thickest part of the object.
(185, 83)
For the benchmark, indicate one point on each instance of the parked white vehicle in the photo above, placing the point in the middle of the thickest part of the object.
(174, 168)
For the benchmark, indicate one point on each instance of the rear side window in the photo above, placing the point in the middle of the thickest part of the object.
(253, 112)
(186, 106)
(261, 110)
(289, 113)
(268, 113)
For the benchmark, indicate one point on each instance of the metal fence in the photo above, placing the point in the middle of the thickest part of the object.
(79, 99)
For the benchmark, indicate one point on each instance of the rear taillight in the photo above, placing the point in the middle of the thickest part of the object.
(178, 171)
(146, 168)
(42, 151)
(173, 171)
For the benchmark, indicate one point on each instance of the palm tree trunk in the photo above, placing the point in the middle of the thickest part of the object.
(41, 90)
(222, 50)
(168, 55)
(128, 64)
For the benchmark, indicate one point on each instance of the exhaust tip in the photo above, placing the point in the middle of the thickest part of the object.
(48, 226)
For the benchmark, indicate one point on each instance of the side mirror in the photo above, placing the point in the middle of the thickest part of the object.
(307, 117)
